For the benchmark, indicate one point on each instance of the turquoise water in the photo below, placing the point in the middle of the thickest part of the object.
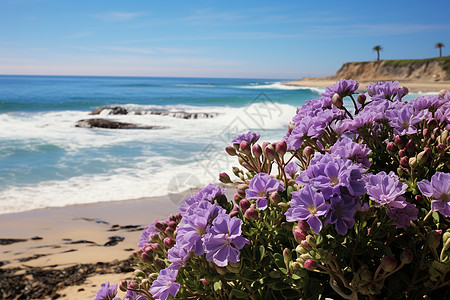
(46, 161)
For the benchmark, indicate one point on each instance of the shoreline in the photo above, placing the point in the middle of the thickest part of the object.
(67, 252)
(414, 86)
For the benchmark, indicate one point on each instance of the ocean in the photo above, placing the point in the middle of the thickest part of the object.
(46, 161)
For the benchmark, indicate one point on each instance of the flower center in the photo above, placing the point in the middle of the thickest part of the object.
(405, 125)
(201, 230)
(334, 181)
(262, 193)
(312, 209)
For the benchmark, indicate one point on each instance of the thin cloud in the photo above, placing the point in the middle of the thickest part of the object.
(115, 16)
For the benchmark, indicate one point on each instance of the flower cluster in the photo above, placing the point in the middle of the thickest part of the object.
(351, 203)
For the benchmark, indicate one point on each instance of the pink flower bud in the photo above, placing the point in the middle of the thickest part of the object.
(223, 177)
(169, 242)
(391, 147)
(406, 256)
(172, 224)
(305, 244)
(402, 153)
(361, 99)
(399, 141)
(299, 236)
(269, 151)
(308, 151)
(133, 285)
(303, 226)
(311, 264)
(281, 148)
(388, 263)
(245, 147)
(432, 124)
(275, 197)
(264, 145)
(244, 204)
(291, 127)
(123, 285)
(410, 146)
(440, 148)
(257, 150)
(231, 151)
(251, 214)
(404, 161)
(160, 226)
(419, 199)
(204, 282)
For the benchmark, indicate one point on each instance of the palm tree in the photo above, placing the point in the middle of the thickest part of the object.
(440, 46)
(377, 48)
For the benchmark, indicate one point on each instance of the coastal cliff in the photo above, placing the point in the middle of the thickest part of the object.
(420, 75)
(434, 69)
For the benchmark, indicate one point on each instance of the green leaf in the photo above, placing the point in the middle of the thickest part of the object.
(217, 285)
(262, 252)
(279, 261)
(239, 294)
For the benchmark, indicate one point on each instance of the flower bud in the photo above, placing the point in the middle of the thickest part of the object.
(269, 151)
(305, 245)
(442, 93)
(251, 214)
(410, 146)
(308, 151)
(303, 226)
(311, 240)
(281, 148)
(440, 148)
(275, 198)
(160, 263)
(388, 263)
(419, 199)
(264, 145)
(235, 211)
(400, 171)
(337, 100)
(257, 150)
(295, 266)
(245, 147)
(399, 141)
(432, 124)
(223, 177)
(424, 155)
(173, 224)
(301, 250)
(391, 147)
(366, 275)
(204, 282)
(160, 226)
(133, 285)
(123, 286)
(236, 171)
(147, 256)
(291, 127)
(244, 204)
(311, 264)
(221, 270)
(427, 132)
(298, 235)
(169, 231)
(406, 256)
(361, 98)
(404, 161)
(402, 153)
(434, 238)
(169, 242)
(231, 151)
(287, 255)
(413, 163)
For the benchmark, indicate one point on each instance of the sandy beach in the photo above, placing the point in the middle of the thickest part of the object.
(85, 245)
(414, 86)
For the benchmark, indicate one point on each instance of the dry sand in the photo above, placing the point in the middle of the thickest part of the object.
(415, 86)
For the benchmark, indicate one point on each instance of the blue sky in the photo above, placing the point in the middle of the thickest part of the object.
(253, 39)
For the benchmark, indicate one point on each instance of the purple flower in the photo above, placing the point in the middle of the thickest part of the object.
(251, 137)
(224, 241)
(179, 254)
(403, 216)
(383, 90)
(401, 120)
(439, 190)
(307, 204)
(385, 188)
(346, 148)
(146, 233)
(165, 284)
(207, 194)
(344, 87)
(291, 169)
(329, 173)
(260, 186)
(193, 226)
(132, 295)
(341, 213)
(106, 292)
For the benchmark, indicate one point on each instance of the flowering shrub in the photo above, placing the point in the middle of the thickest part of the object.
(352, 203)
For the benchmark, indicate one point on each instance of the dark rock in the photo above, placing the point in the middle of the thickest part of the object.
(175, 114)
(80, 242)
(111, 110)
(11, 241)
(35, 238)
(110, 124)
(114, 240)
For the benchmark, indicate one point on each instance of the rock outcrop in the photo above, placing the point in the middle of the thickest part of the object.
(175, 114)
(111, 124)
